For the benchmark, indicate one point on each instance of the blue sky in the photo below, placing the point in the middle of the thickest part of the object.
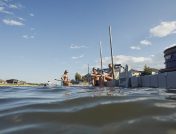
(40, 39)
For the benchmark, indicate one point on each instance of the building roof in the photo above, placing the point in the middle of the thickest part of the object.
(12, 80)
(170, 50)
(154, 70)
(133, 70)
(2, 80)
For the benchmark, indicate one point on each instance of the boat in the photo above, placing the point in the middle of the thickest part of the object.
(54, 84)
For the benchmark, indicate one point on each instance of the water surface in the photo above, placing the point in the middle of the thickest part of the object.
(85, 110)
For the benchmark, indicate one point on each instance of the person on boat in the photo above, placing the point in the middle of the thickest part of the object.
(109, 75)
(65, 79)
(101, 75)
(95, 77)
(49, 83)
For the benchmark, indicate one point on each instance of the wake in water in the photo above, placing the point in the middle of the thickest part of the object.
(86, 110)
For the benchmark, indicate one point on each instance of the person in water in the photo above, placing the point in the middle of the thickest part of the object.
(65, 79)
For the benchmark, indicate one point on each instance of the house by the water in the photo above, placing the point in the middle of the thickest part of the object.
(170, 59)
(164, 79)
(15, 81)
(2, 81)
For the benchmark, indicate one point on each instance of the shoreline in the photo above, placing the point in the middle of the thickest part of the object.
(20, 85)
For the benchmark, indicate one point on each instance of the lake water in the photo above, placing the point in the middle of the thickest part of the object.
(84, 110)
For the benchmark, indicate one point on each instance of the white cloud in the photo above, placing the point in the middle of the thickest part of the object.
(78, 57)
(31, 14)
(152, 55)
(3, 3)
(135, 48)
(77, 46)
(141, 45)
(126, 59)
(13, 6)
(25, 36)
(32, 29)
(32, 37)
(2, 10)
(10, 4)
(20, 18)
(164, 29)
(28, 36)
(11, 22)
(136, 62)
(145, 42)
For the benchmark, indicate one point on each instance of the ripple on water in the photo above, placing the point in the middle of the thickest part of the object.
(84, 110)
(166, 104)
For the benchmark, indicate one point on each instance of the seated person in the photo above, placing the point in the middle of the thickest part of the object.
(95, 77)
(64, 78)
(109, 76)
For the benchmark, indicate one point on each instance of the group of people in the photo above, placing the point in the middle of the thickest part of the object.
(100, 78)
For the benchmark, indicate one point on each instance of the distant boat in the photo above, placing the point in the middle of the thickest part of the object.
(54, 84)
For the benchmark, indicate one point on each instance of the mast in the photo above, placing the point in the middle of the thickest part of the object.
(110, 36)
(88, 69)
(101, 60)
(88, 74)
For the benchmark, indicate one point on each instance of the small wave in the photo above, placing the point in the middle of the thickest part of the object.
(166, 118)
(20, 128)
(166, 105)
(84, 110)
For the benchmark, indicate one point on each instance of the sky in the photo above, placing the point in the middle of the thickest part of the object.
(39, 39)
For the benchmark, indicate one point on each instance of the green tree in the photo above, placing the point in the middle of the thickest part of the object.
(147, 70)
(78, 77)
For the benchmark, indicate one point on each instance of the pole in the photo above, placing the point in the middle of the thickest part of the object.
(88, 69)
(88, 75)
(101, 60)
(110, 36)
(101, 78)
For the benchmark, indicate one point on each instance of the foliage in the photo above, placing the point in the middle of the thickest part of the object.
(78, 77)
(86, 78)
(147, 70)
